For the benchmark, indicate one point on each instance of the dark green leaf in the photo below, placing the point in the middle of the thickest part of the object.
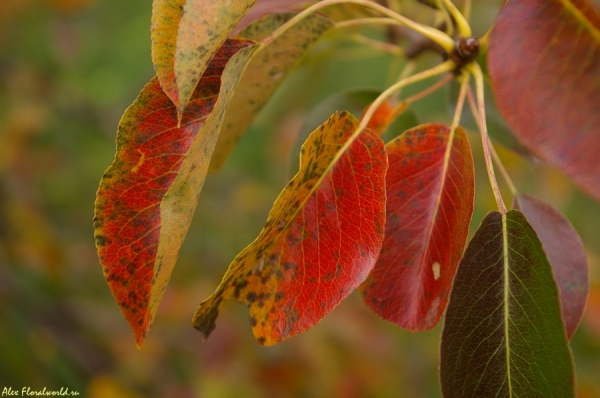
(503, 334)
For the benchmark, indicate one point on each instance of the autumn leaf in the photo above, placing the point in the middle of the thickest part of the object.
(503, 333)
(384, 115)
(321, 239)
(566, 255)
(265, 73)
(430, 189)
(148, 195)
(544, 58)
(186, 34)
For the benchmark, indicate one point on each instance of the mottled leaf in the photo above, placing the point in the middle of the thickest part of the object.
(544, 63)
(265, 72)
(147, 196)
(430, 189)
(566, 255)
(185, 36)
(352, 101)
(321, 239)
(503, 333)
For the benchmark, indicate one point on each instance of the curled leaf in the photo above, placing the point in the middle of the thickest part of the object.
(147, 197)
(321, 239)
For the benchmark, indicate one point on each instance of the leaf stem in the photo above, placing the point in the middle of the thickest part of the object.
(464, 30)
(366, 21)
(447, 18)
(467, 9)
(433, 34)
(475, 69)
(464, 84)
(503, 171)
(407, 70)
(484, 41)
(434, 87)
(377, 45)
(437, 70)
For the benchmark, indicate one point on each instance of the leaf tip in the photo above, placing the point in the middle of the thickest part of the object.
(140, 335)
(204, 319)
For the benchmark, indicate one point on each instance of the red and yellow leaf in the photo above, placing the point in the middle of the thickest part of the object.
(430, 190)
(265, 73)
(321, 239)
(544, 63)
(147, 197)
(186, 34)
(566, 255)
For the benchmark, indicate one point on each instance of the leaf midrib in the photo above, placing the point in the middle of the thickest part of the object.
(506, 300)
(581, 18)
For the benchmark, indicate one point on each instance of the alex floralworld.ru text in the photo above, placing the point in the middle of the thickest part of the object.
(28, 392)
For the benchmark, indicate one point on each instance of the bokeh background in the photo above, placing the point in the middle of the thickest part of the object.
(68, 70)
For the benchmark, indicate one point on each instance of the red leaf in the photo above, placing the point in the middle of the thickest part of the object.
(430, 188)
(566, 255)
(321, 239)
(544, 62)
(147, 196)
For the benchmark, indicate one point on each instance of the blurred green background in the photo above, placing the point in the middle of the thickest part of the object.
(68, 70)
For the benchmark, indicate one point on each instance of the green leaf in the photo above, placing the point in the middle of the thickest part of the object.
(265, 73)
(503, 334)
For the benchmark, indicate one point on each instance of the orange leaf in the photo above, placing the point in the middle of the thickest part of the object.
(321, 239)
(147, 197)
(385, 115)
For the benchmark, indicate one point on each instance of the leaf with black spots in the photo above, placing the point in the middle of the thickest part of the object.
(147, 197)
(321, 239)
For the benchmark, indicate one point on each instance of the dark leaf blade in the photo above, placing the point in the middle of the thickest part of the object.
(321, 239)
(430, 190)
(544, 58)
(503, 333)
(566, 255)
(147, 197)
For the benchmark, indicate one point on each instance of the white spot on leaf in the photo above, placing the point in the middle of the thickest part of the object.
(436, 270)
